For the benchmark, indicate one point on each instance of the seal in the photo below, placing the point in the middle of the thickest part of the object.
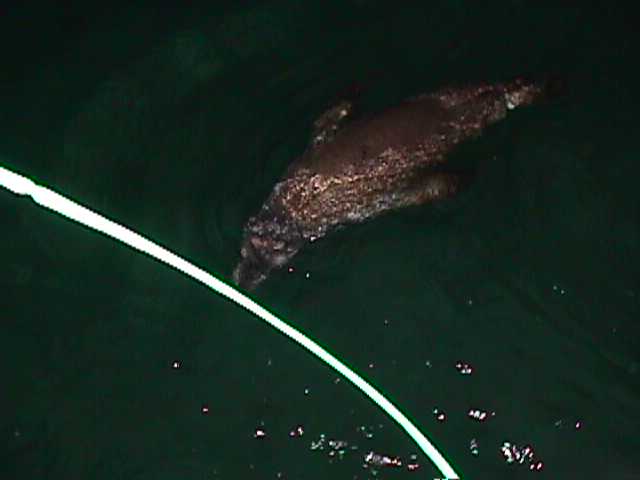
(356, 169)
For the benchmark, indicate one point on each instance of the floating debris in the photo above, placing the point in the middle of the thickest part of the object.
(480, 415)
(373, 459)
(464, 368)
(521, 455)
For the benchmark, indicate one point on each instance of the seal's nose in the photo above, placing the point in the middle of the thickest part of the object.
(248, 274)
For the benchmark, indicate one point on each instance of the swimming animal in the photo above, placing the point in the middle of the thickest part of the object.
(356, 169)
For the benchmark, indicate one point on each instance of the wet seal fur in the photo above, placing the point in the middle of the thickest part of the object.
(354, 170)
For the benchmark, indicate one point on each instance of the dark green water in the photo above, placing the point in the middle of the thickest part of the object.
(177, 123)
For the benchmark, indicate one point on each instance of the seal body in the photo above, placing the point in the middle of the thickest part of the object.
(354, 170)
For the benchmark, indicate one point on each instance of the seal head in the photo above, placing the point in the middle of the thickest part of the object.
(271, 239)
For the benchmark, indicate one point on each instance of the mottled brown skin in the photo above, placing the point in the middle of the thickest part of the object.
(354, 170)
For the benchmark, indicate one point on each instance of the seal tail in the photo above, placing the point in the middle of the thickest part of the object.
(549, 87)
(555, 87)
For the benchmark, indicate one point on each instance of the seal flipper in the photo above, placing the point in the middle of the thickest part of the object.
(328, 124)
(434, 184)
